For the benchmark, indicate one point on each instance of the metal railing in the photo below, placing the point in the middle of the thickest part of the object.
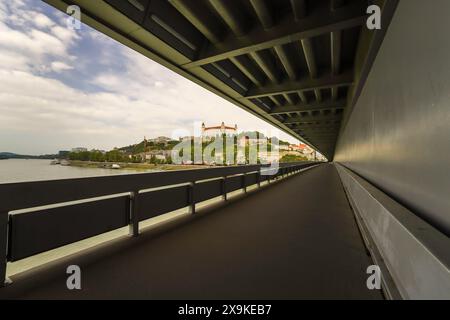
(86, 207)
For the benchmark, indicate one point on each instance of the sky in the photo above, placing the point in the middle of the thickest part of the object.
(62, 88)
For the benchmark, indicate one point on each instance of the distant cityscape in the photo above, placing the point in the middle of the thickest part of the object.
(158, 150)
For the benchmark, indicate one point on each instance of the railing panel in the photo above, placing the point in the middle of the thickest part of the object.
(207, 190)
(263, 177)
(251, 179)
(234, 183)
(43, 230)
(30, 194)
(154, 203)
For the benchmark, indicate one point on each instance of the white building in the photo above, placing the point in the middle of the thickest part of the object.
(209, 133)
(246, 140)
(160, 139)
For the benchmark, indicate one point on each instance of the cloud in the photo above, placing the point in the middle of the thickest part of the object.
(42, 21)
(60, 89)
(58, 66)
(26, 32)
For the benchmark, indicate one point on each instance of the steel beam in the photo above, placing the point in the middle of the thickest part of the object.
(313, 133)
(319, 135)
(301, 107)
(275, 101)
(318, 94)
(308, 51)
(263, 12)
(188, 8)
(286, 62)
(336, 40)
(321, 22)
(305, 126)
(246, 66)
(299, 8)
(313, 124)
(262, 60)
(288, 98)
(323, 144)
(320, 118)
(328, 81)
(232, 17)
(302, 96)
(316, 129)
(320, 140)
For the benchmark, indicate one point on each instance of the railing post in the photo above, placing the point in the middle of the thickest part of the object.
(224, 188)
(191, 197)
(134, 214)
(3, 246)
(244, 182)
(258, 178)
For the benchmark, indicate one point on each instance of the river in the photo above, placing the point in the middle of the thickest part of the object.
(18, 170)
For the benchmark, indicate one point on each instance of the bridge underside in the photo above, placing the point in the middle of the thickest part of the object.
(295, 63)
(261, 247)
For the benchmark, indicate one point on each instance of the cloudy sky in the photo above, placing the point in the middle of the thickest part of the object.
(61, 89)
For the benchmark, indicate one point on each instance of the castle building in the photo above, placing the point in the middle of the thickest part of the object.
(217, 131)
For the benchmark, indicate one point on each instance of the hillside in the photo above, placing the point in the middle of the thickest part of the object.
(10, 155)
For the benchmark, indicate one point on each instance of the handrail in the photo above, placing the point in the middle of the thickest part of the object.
(27, 195)
(23, 195)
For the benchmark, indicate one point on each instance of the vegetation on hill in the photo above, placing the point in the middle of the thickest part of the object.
(139, 147)
(134, 153)
(9, 155)
(293, 158)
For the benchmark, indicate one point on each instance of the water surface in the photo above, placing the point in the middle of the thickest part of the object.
(20, 170)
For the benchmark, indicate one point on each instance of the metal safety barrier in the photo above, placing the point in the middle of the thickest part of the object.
(86, 207)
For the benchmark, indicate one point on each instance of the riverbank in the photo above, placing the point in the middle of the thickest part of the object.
(135, 166)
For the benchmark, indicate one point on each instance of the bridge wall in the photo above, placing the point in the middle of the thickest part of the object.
(398, 135)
